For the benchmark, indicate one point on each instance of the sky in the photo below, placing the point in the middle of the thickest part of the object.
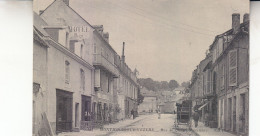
(165, 39)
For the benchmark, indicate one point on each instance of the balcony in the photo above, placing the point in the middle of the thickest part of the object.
(101, 62)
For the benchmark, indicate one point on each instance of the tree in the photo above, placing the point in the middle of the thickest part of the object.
(185, 84)
(173, 84)
(140, 97)
(164, 85)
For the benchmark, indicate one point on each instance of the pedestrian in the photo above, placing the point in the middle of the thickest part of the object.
(159, 114)
(132, 113)
(196, 117)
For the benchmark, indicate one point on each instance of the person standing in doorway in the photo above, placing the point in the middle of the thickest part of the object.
(132, 114)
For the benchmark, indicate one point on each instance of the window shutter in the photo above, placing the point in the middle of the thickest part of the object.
(223, 77)
(233, 68)
(97, 78)
(67, 72)
(208, 81)
(82, 79)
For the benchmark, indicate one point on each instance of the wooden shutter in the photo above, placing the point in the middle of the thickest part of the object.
(223, 77)
(67, 72)
(233, 68)
(208, 80)
(97, 78)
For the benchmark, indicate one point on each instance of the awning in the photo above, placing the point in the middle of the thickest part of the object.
(203, 106)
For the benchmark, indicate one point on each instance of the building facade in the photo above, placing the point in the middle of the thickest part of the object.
(150, 103)
(231, 65)
(85, 83)
(126, 86)
(40, 48)
(221, 86)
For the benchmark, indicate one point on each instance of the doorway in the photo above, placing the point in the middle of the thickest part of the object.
(86, 108)
(242, 116)
(230, 113)
(77, 115)
(234, 114)
(63, 111)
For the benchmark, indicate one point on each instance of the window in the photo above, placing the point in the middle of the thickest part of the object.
(233, 68)
(67, 72)
(81, 50)
(101, 51)
(214, 55)
(108, 84)
(82, 79)
(72, 46)
(208, 80)
(95, 48)
(67, 37)
(222, 80)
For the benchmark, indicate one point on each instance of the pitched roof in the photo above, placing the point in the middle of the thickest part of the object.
(60, 3)
(229, 32)
(38, 23)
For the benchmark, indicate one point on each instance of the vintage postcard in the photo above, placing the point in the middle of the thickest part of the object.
(141, 68)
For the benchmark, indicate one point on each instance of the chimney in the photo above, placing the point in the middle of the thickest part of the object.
(235, 22)
(123, 52)
(40, 12)
(245, 17)
(67, 2)
(106, 36)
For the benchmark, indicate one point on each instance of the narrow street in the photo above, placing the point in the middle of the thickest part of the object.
(144, 125)
(160, 127)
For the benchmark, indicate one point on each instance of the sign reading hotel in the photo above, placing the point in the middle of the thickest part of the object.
(79, 29)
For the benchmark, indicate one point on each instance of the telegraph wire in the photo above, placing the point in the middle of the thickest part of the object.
(172, 25)
(154, 14)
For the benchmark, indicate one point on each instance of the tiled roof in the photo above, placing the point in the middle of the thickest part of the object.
(38, 23)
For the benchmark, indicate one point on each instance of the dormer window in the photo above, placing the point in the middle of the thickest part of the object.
(72, 45)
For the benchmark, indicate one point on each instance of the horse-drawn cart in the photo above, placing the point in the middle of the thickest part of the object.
(184, 114)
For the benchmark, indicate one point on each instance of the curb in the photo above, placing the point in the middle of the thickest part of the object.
(196, 134)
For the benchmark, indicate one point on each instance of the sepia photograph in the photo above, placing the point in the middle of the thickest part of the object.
(140, 68)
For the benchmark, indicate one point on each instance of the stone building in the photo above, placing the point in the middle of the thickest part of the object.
(86, 80)
(126, 86)
(103, 103)
(70, 70)
(230, 66)
(40, 48)
(150, 103)
(221, 85)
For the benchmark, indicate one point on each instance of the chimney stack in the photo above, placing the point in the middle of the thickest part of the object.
(123, 52)
(106, 36)
(40, 12)
(67, 2)
(246, 17)
(235, 22)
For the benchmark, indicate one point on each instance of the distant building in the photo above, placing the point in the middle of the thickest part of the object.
(166, 101)
(149, 104)
(179, 90)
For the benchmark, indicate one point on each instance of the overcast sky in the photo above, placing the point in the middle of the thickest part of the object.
(165, 39)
